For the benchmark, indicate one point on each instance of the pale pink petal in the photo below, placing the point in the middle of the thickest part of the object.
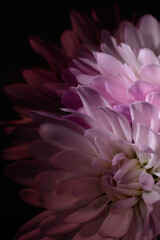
(88, 188)
(116, 225)
(109, 65)
(143, 135)
(131, 36)
(148, 71)
(65, 138)
(125, 168)
(117, 89)
(150, 197)
(153, 98)
(129, 57)
(146, 56)
(139, 90)
(124, 110)
(97, 83)
(88, 212)
(146, 180)
(92, 101)
(145, 113)
(119, 124)
(152, 32)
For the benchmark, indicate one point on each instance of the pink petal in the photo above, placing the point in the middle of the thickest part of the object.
(146, 56)
(117, 89)
(119, 124)
(124, 110)
(53, 226)
(129, 57)
(66, 138)
(131, 36)
(87, 188)
(143, 135)
(146, 180)
(124, 169)
(92, 101)
(89, 231)
(73, 161)
(145, 113)
(109, 65)
(150, 197)
(152, 32)
(122, 205)
(67, 184)
(154, 98)
(116, 225)
(148, 71)
(139, 90)
(88, 212)
(46, 184)
(97, 83)
(43, 117)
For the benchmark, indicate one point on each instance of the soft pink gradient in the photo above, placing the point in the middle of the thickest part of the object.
(96, 170)
(99, 183)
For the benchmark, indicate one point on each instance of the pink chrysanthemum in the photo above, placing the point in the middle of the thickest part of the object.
(99, 183)
(96, 171)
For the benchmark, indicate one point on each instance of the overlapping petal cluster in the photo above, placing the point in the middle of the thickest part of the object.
(96, 169)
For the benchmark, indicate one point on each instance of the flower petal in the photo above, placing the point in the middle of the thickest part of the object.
(145, 113)
(146, 180)
(116, 225)
(88, 212)
(88, 188)
(139, 90)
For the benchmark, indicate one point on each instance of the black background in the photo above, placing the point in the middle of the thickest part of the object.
(47, 20)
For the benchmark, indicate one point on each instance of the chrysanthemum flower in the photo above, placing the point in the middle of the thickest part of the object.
(99, 183)
(96, 171)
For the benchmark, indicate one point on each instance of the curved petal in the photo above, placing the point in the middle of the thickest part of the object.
(146, 114)
(88, 212)
(139, 90)
(88, 188)
(116, 225)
